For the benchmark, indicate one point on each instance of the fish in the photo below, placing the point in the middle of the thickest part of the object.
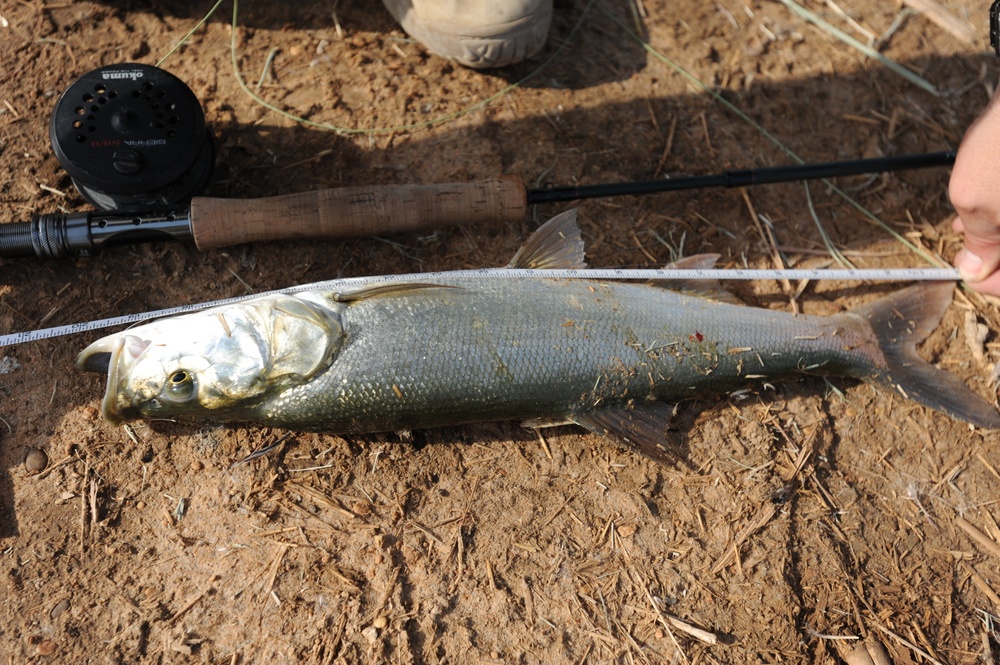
(615, 357)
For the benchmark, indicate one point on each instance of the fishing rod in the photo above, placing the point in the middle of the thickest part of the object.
(379, 210)
(134, 141)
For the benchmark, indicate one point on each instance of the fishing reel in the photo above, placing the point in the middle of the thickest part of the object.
(132, 137)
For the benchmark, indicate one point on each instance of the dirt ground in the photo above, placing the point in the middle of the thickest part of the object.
(807, 515)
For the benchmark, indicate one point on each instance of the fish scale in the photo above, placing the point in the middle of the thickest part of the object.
(612, 356)
(553, 348)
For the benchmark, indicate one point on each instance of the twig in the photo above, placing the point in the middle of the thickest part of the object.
(267, 69)
(83, 508)
(837, 638)
(868, 34)
(984, 586)
(191, 603)
(944, 19)
(93, 505)
(869, 652)
(909, 645)
(64, 461)
(666, 148)
(988, 465)
(979, 536)
(693, 631)
(765, 516)
(283, 548)
(260, 452)
(542, 440)
(867, 50)
(52, 190)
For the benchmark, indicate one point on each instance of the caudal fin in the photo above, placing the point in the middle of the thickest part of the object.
(901, 321)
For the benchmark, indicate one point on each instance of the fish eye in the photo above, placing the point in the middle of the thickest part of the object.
(180, 384)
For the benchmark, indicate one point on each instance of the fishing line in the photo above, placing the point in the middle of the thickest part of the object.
(183, 40)
(600, 274)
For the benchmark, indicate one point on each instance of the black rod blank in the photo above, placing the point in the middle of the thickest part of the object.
(744, 178)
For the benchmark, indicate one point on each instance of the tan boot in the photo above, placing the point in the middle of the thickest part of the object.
(476, 33)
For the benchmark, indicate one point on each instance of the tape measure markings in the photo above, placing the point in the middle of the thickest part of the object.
(606, 274)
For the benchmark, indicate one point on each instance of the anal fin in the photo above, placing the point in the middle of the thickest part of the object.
(644, 427)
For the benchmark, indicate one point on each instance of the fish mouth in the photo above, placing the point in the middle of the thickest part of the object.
(114, 355)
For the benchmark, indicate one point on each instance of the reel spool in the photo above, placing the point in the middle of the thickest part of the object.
(132, 137)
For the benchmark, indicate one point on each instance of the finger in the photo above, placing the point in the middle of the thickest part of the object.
(988, 286)
(956, 224)
(980, 255)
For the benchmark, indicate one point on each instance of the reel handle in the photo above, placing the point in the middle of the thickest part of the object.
(355, 211)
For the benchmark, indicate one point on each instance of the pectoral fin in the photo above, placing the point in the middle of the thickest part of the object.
(703, 288)
(644, 427)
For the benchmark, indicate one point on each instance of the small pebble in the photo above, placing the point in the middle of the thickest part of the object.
(196, 465)
(60, 608)
(380, 622)
(627, 530)
(36, 460)
(46, 648)
(371, 634)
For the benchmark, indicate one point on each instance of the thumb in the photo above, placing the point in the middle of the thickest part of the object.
(980, 257)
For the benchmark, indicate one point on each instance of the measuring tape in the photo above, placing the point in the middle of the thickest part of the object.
(601, 274)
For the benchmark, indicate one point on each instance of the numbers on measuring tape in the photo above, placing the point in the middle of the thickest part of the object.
(606, 274)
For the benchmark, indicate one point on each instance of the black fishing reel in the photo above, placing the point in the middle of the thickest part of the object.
(132, 137)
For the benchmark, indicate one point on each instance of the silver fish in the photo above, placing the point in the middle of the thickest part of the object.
(613, 357)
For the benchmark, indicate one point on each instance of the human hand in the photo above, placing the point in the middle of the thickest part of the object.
(975, 192)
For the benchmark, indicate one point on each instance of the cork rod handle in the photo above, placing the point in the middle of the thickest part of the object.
(355, 211)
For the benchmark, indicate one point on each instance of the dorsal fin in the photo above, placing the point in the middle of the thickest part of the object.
(556, 244)
(704, 288)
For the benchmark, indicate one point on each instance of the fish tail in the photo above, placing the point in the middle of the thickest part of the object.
(901, 321)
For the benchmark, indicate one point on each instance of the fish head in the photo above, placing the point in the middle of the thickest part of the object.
(214, 365)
